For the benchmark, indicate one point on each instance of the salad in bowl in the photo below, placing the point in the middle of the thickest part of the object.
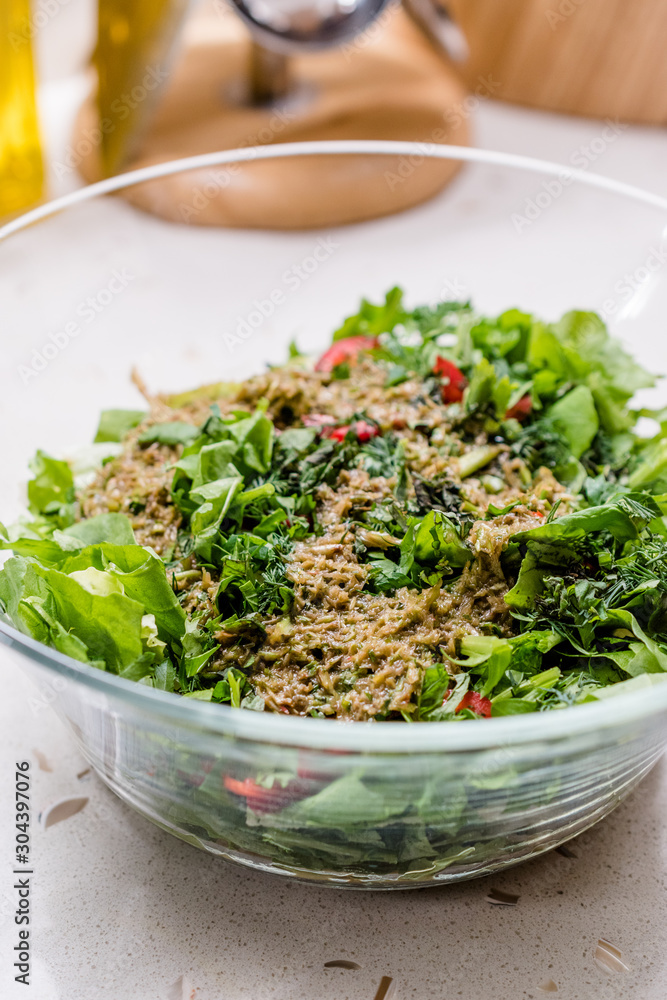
(444, 517)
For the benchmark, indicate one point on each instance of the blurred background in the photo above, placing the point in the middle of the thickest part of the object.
(89, 88)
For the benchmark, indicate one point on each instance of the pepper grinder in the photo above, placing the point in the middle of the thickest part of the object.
(250, 72)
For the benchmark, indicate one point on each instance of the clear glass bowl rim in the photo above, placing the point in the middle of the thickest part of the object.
(386, 737)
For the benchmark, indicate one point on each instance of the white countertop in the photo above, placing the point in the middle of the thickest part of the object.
(126, 912)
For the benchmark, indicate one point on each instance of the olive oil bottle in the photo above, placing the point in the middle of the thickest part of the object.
(134, 43)
(21, 166)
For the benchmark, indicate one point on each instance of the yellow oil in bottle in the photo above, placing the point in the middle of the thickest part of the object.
(134, 41)
(21, 167)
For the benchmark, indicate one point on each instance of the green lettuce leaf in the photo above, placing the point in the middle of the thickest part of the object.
(372, 320)
(172, 433)
(25, 541)
(140, 573)
(649, 469)
(113, 528)
(108, 625)
(575, 418)
(114, 425)
(51, 490)
(436, 539)
(347, 796)
(488, 389)
(621, 517)
(215, 499)
(554, 547)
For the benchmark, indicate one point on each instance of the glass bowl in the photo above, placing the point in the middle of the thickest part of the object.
(92, 287)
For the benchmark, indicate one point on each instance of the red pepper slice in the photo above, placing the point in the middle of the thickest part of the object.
(337, 433)
(363, 430)
(266, 800)
(521, 409)
(344, 350)
(454, 387)
(476, 703)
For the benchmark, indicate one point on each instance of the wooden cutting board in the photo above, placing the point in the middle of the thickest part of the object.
(387, 84)
(605, 58)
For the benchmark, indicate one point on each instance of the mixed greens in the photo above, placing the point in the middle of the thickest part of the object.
(447, 517)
